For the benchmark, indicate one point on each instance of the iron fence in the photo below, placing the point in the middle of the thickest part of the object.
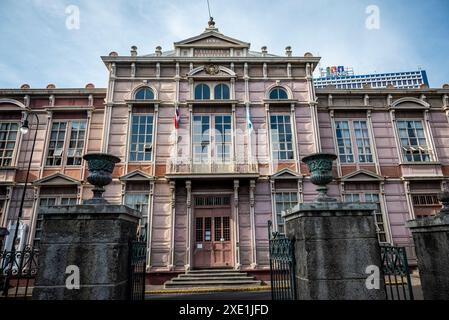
(17, 272)
(282, 266)
(398, 283)
(137, 260)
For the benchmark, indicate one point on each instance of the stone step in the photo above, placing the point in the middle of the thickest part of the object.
(211, 283)
(211, 278)
(213, 271)
(217, 274)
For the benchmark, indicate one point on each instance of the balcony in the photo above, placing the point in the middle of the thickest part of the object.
(211, 169)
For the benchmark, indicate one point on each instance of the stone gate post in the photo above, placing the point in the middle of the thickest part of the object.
(336, 247)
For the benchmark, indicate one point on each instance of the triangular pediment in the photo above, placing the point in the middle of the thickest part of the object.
(57, 179)
(136, 175)
(286, 174)
(212, 39)
(362, 175)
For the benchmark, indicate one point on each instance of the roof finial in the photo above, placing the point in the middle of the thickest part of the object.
(211, 23)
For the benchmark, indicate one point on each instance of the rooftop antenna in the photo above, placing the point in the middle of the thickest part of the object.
(208, 7)
(211, 23)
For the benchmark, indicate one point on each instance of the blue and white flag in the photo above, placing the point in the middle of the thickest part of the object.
(250, 123)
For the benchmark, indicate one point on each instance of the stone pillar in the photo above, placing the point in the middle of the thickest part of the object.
(94, 239)
(334, 245)
(431, 238)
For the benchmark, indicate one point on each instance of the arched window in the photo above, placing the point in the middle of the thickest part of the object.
(202, 92)
(145, 94)
(278, 94)
(221, 92)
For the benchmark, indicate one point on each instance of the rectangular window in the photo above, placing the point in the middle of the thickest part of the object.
(284, 201)
(139, 202)
(378, 216)
(425, 204)
(76, 145)
(57, 149)
(56, 144)
(281, 137)
(223, 139)
(8, 137)
(344, 141)
(201, 139)
(141, 147)
(47, 202)
(413, 141)
(349, 133)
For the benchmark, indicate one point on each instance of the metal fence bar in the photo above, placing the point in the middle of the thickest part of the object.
(17, 269)
(136, 267)
(282, 266)
(395, 266)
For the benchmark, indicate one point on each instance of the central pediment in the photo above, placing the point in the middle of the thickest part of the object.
(212, 39)
(211, 43)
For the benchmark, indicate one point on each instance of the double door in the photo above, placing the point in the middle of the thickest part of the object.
(212, 245)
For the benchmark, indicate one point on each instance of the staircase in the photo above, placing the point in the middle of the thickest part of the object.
(212, 278)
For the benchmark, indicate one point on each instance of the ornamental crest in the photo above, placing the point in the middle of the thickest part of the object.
(212, 69)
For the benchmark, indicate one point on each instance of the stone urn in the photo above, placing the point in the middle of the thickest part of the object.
(100, 166)
(320, 167)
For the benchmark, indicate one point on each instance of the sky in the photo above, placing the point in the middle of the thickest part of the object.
(42, 42)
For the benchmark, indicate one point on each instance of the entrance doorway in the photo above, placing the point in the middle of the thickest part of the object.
(213, 237)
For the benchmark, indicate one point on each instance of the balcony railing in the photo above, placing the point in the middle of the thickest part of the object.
(211, 167)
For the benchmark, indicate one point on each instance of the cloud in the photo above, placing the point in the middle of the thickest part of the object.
(36, 46)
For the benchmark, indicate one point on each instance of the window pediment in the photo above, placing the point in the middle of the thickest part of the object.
(57, 179)
(211, 71)
(361, 175)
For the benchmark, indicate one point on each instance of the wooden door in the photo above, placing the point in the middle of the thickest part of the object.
(212, 246)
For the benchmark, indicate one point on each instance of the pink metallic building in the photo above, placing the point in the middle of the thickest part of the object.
(210, 137)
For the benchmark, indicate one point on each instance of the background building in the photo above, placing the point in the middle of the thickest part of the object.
(211, 137)
(346, 79)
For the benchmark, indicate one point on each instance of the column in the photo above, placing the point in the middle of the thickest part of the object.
(189, 223)
(171, 259)
(236, 225)
(252, 188)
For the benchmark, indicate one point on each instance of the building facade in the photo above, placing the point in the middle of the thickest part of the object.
(399, 80)
(211, 137)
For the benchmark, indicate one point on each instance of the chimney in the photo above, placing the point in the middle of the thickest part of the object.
(133, 51)
(264, 50)
(288, 51)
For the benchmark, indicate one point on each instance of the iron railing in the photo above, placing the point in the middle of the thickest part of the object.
(282, 266)
(398, 283)
(17, 272)
(137, 261)
(211, 167)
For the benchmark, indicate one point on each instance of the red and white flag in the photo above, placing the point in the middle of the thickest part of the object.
(177, 117)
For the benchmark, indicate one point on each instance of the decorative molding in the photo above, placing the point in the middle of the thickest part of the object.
(236, 193)
(252, 188)
(366, 100)
(133, 70)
